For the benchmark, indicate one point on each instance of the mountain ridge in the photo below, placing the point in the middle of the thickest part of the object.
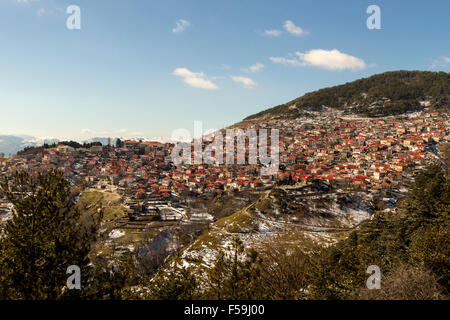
(388, 93)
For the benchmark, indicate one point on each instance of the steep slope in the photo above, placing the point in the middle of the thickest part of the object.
(300, 215)
(383, 94)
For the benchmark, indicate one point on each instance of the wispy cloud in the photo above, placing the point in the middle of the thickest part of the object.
(42, 8)
(440, 62)
(254, 68)
(87, 131)
(25, 1)
(287, 62)
(272, 33)
(290, 27)
(327, 59)
(181, 25)
(246, 82)
(195, 79)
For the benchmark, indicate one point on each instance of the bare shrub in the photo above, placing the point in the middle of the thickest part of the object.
(405, 283)
(284, 269)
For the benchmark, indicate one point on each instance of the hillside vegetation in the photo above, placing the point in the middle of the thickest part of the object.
(383, 94)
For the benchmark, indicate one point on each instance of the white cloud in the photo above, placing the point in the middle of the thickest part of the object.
(246, 82)
(331, 59)
(225, 67)
(186, 73)
(292, 28)
(287, 62)
(440, 62)
(272, 33)
(327, 59)
(26, 1)
(254, 68)
(195, 79)
(181, 25)
(200, 83)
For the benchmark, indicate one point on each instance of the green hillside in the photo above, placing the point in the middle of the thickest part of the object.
(383, 94)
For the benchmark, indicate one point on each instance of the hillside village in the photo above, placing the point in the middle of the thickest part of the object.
(374, 155)
(370, 154)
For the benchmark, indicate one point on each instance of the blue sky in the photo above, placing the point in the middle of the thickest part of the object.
(146, 68)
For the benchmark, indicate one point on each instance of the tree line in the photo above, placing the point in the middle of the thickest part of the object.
(76, 145)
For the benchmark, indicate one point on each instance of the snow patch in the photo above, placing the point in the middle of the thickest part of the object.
(116, 234)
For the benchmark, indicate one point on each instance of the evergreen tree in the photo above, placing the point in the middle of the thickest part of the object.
(416, 235)
(43, 238)
(119, 143)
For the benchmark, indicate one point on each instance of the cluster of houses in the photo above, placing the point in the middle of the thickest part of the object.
(370, 154)
(377, 154)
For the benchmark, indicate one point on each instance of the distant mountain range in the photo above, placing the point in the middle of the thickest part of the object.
(10, 144)
(384, 94)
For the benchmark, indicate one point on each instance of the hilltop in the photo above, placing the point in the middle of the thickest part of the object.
(384, 94)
